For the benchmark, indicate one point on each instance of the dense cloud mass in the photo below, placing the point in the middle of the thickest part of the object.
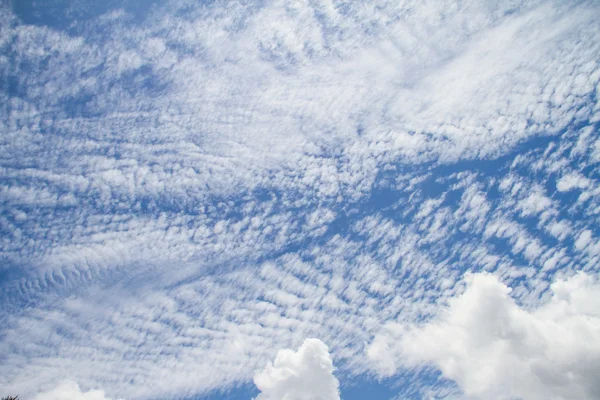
(69, 390)
(187, 187)
(495, 349)
(306, 374)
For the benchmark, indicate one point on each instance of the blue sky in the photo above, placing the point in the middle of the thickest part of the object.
(299, 200)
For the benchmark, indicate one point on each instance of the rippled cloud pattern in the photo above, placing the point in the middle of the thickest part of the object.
(230, 199)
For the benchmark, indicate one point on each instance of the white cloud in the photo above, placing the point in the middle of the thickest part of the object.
(535, 203)
(495, 349)
(306, 374)
(162, 131)
(69, 390)
(573, 180)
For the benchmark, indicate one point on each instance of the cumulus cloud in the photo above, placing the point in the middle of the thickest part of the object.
(306, 374)
(71, 390)
(495, 349)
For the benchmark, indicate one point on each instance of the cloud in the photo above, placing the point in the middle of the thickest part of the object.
(306, 374)
(206, 184)
(495, 349)
(572, 181)
(71, 391)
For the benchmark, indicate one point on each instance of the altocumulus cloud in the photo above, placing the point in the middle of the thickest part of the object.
(186, 190)
(306, 374)
(495, 349)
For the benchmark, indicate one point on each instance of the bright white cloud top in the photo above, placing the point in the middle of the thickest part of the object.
(186, 188)
(71, 391)
(493, 349)
(306, 374)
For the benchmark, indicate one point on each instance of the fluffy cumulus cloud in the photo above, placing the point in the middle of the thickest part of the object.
(69, 390)
(306, 374)
(495, 349)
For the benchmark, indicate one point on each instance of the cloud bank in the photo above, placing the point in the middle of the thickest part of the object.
(306, 374)
(495, 349)
(69, 390)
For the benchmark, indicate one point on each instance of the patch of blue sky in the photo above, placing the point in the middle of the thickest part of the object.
(355, 389)
(72, 16)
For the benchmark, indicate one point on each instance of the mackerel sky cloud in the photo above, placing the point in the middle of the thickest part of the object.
(299, 199)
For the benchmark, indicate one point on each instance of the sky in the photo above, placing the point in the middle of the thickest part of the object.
(299, 200)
